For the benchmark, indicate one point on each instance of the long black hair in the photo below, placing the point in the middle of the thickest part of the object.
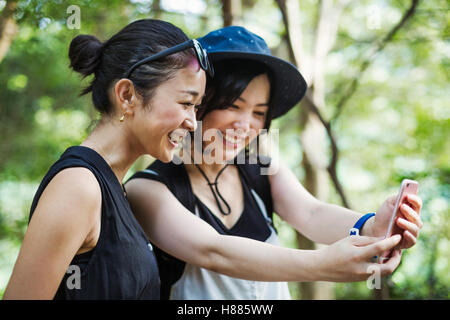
(110, 60)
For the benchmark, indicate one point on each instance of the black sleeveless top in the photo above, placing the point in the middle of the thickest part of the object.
(251, 224)
(122, 265)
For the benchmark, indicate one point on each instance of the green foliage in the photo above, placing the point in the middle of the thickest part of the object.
(396, 125)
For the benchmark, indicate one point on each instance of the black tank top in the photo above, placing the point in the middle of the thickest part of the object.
(251, 224)
(122, 265)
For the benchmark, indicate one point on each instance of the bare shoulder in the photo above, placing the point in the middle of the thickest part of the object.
(78, 179)
(66, 213)
(71, 194)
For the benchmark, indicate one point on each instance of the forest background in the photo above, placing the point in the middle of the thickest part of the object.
(377, 110)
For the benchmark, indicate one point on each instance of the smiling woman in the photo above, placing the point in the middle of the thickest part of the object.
(170, 113)
(148, 80)
(236, 200)
(80, 214)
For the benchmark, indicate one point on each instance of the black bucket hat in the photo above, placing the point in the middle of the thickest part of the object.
(236, 42)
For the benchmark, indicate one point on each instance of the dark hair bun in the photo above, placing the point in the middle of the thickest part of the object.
(84, 54)
(110, 61)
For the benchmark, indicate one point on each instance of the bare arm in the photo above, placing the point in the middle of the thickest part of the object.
(319, 221)
(65, 214)
(180, 233)
(327, 223)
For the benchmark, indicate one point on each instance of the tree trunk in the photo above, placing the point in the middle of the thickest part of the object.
(314, 102)
(8, 27)
(316, 181)
(314, 135)
(231, 12)
(156, 9)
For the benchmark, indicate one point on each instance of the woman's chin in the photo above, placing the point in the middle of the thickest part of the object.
(166, 156)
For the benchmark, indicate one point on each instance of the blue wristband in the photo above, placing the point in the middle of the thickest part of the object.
(360, 223)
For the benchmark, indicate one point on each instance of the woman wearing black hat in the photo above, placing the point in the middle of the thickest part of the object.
(250, 87)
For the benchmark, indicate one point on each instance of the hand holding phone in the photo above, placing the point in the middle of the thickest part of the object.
(407, 187)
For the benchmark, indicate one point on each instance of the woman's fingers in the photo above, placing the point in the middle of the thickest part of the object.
(415, 201)
(408, 226)
(390, 265)
(411, 215)
(409, 240)
(377, 248)
(412, 222)
(362, 241)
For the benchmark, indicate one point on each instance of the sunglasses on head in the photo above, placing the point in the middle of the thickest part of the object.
(202, 56)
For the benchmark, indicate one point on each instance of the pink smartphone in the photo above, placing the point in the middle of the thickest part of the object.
(407, 187)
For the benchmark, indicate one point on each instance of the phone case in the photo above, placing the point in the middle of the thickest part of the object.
(407, 187)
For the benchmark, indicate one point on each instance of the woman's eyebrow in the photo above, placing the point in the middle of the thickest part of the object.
(258, 105)
(192, 93)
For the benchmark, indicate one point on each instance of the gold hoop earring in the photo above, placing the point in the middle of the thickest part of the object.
(122, 118)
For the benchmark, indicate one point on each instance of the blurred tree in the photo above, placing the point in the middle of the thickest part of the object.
(231, 12)
(8, 27)
(313, 135)
(314, 125)
(381, 110)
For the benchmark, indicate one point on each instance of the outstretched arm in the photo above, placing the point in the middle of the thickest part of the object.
(317, 220)
(182, 234)
(327, 223)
